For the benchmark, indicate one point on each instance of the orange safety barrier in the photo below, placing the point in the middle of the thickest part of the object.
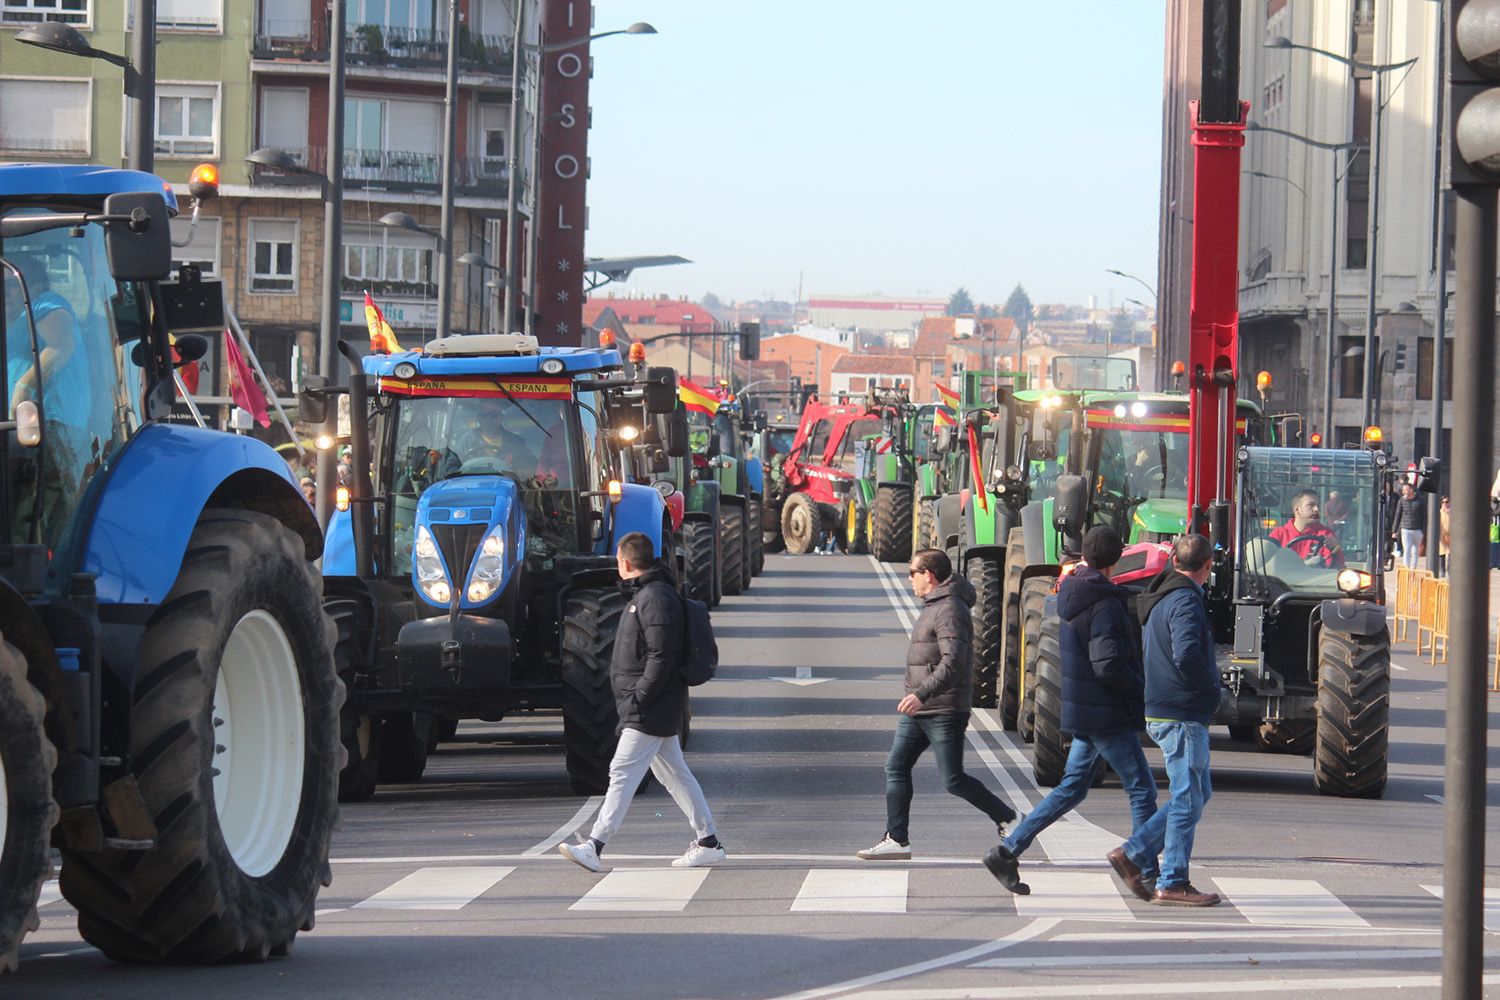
(1408, 604)
(1432, 616)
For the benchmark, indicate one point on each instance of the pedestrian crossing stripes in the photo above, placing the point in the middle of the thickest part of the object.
(436, 889)
(889, 889)
(852, 891)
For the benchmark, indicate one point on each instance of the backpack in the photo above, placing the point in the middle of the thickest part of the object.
(700, 654)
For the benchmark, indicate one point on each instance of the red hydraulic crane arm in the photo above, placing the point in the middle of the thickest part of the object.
(1213, 340)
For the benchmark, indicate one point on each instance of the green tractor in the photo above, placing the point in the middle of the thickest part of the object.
(878, 511)
(719, 458)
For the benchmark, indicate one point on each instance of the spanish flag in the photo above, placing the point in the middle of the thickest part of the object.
(948, 397)
(382, 338)
(696, 398)
(943, 417)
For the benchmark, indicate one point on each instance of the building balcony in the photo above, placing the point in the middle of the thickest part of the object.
(381, 45)
(391, 170)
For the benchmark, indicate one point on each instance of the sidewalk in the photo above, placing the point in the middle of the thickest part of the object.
(1493, 613)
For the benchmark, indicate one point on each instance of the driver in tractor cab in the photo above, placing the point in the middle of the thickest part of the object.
(1307, 536)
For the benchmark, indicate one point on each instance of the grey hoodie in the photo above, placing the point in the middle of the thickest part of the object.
(939, 663)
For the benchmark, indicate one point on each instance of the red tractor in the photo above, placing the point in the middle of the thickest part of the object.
(807, 487)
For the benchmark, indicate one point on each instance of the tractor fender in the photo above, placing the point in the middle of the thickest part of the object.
(1050, 570)
(949, 513)
(1035, 528)
(338, 548)
(640, 508)
(677, 508)
(139, 533)
(755, 476)
(1345, 614)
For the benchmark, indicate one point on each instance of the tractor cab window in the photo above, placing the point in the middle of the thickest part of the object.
(1302, 524)
(817, 440)
(855, 443)
(922, 433)
(78, 369)
(1141, 464)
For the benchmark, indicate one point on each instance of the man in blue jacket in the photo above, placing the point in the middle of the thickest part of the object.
(1102, 690)
(1182, 693)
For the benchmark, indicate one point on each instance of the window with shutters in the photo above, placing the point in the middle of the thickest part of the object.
(273, 256)
(182, 15)
(74, 12)
(45, 116)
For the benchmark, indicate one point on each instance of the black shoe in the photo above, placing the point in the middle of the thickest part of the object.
(1006, 869)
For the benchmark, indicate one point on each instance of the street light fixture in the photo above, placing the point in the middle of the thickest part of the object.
(1138, 281)
(1377, 71)
(279, 159)
(1277, 177)
(512, 192)
(402, 220)
(140, 71)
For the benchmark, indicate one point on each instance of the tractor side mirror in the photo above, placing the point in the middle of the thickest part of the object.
(674, 431)
(1429, 475)
(761, 423)
(139, 246)
(660, 390)
(1068, 507)
(312, 400)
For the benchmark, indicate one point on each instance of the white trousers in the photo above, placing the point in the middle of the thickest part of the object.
(1411, 545)
(662, 755)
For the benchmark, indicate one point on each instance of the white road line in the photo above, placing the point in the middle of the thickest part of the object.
(1072, 896)
(804, 673)
(1031, 930)
(1491, 905)
(1282, 987)
(1288, 901)
(1238, 932)
(566, 830)
(662, 890)
(436, 889)
(1436, 798)
(1199, 958)
(852, 891)
(51, 893)
(894, 595)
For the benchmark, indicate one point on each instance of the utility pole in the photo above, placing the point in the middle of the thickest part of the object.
(450, 143)
(143, 58)
(1440, 262)
(513, 174)
(333, 242)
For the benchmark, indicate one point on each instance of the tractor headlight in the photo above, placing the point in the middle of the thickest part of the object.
(430, 572)
(1352, 581)
(489, 566)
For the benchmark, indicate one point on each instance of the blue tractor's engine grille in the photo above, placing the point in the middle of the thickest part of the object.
(458, 543)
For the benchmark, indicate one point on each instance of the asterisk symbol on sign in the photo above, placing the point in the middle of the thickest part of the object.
(562, 328)
(562, 296)
(563, 265)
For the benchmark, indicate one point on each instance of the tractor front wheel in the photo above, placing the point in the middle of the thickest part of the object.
(755, 532)
(1291, 736)
(854, 528)
(1049, 751)
(890, 539)
(590, 620)
(984, 577)
(700, 546)
(359, 735)
(801, 524)
(27, 810)
(1009, 696)
(1033, 609)
(1354, 714)
(732, 541)
(234, 741)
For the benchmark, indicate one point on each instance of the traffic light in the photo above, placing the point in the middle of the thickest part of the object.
(1398, 360)
(1315, 439)
(795, 385)
(749, 341)
(1472, 154)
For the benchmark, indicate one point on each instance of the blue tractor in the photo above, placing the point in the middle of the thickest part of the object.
(168, 699)
(472, 573)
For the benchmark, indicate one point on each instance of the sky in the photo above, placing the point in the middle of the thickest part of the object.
(858, 146)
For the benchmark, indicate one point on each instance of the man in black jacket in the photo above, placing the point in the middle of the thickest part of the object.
(1103, 687)
(935, 711)
(650, 696)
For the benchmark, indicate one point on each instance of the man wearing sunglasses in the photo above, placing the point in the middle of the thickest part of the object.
(935, 711)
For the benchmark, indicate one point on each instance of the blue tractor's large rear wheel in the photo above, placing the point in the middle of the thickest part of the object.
(234, 745)
(27, 810)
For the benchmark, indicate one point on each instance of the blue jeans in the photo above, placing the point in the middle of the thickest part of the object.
(1122, 751)
(1169, 833)
(945, 734)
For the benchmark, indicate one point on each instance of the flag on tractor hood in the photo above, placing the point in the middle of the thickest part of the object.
(242, 388)
(382, 337)
(696, 398)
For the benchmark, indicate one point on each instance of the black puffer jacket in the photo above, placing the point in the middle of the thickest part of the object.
(1103, 683)
(645, 669)
(939, 667)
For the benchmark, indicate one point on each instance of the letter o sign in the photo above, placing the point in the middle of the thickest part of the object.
(566, 166)
(569, 64)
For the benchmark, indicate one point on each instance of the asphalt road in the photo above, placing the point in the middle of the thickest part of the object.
(452, 888)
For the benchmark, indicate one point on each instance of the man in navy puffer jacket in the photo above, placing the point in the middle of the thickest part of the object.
(1102, 690)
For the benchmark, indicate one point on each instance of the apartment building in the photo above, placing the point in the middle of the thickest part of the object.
(235, 76)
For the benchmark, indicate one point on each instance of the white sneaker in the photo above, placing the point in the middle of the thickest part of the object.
(886, 850)
(699, 856)
(581, 855)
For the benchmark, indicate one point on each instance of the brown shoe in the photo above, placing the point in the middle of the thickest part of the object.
(1184, 895)
(1129, 872)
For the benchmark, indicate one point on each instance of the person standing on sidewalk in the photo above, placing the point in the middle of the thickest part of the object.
(1411, 521)
(650, 695)
(935, 711)
(1103, 685)
(1182, 693)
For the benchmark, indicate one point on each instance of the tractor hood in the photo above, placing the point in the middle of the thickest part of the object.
(1162, 516)
(470, 537)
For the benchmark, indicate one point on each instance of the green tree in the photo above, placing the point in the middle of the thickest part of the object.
(1121, 327)
(1018, 308)
(960, 303)
(987, 311)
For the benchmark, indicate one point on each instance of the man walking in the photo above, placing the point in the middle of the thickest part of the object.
(1102, 689)
(935, 711)
(650, 694)
(1411, 520)
(1182, 693)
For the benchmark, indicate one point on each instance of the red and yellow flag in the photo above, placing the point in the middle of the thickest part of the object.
(943, 417)
(696, 398)
(382, 338)
(948, 397)
(979, 484)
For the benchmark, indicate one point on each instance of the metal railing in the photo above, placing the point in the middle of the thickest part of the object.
(391, 170)
(380, 45)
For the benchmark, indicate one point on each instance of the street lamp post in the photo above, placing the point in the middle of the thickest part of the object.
(1372, 254)
(450, 142)
(1138, 281)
